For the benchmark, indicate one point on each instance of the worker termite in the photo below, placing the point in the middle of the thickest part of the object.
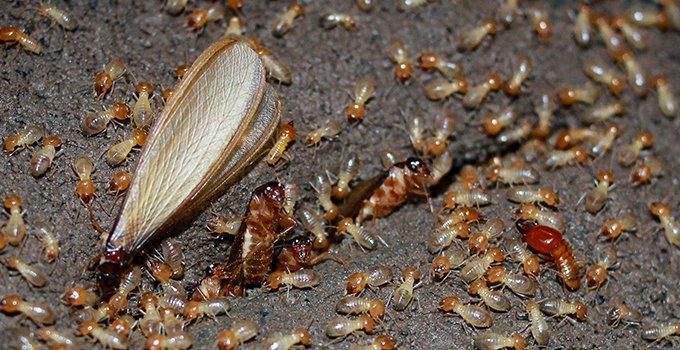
(172, 322)
(291, 197)
(49, 240)
(520, 73)
(55, 338)
(287, 134)
(539, 326)
(532, 150)
(444, 127)
(612, 228)
(541, 21)
(507, 12)
(284, 342)
(644, 172)
(516, 134)
(494, 341)
(574, 155)
(225, 225)
(478, 266)
(173, 341)
(196, 309)
(59, 16)
(175, 7)
(78, 296)
(235, 28)
(587, 94)
(42, 158)
(549, 241)
(513, 175)
(94, 124)
(480, 240)
(150, 323)
(349, 169)
(299, 279)
(408, 5)
(597, 274)
(612, 40)
(365, 238)
(468, 198)
(645, 18)
(284, 21)
(374, 277)
(122, 325)
(597, 197)
(275, 68)
(605, 140)
(199, 17)
(24, 138)
(525, 194)
(354, 305)
(444, 235)
(628, 154)
(518, 284)
(142, 114)
(601, 73)
(472, 314)
(667, 102)
(381, 342)
(312, 221)
(11, 34)
(38, 312)
(493, 124)
(569, 137)
(470, 39)
(544, 109)
(441, 166)
(583, 31)
(520, 253)
(602, 113)
(630, 32)
(529, 212)
(363, 91)
(15, 229)
(32, 274)
(559, 307)
(430, 60)
(475, 95)
(130, 280)
(670, 226)
(323, 189)
(620, 312)
(398, 54)
(439, 89)
(119, 152)
(494, 299)
(404, 293)
(332, 20)
(104, 80)
(329, 129)
(120, 181)
(660, 331)
(636, 77)
(451, 258)
(103, 312)
(343, 326)
(239, 333)
(107, 338)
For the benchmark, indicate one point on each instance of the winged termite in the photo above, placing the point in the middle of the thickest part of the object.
(215, 127)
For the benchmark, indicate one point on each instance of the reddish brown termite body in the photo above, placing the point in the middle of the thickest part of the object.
(284, 21)
(354, 305)
(478, 266)
(39, 313)
(94, 124)
(328, 130)
(604, 142)
(586, 94)
(557, 158)
(198, 18)
(479, 240)
(129, 281)
(493, 124)
(541, 21)
(549, 241)
(519, 284)
(439, 89)
(667, 101)
(403, 295)
(520, 73)
(494, 341)
(49, 240)
(284, 342)
(104, 80)
(197, 309)
(119, 152)
(473, 315)
(239, 333)
(299, 279)
(545, 109)
(374, 277)
(120, 181)
(597, 274)
(620, 312)
(11, 34)
(348, 170)
(597, 197)
(43, 157)
(470, 39)
(525, 194)
(559, 307)
(287, 134)
(78, 296)
(24, 138)
(108, 338)
(32, 274)
(582, 30)
(15, 229)
(494, 299)
(363, 91)
(343, 326)
(530, 212)
(430, 60)
(476, 94)
(335, 19)
(613, 228)
(520, 253)
(670, 226)
(398, 54)
(59, 16)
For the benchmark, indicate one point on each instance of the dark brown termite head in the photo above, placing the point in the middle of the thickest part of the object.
(417, 166)
(273, 190)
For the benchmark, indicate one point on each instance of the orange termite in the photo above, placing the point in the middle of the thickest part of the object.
(85, 189)
(570, 137)
(493, 124)
(520, 73)
(494, 341)
(559, 307)
(478, 266)
(670, 226)
(597, 274)
(349, 169)
(544, 109)
(494, 299)
(284, 21)
(11, 34)
(284, 342)
(78, 296)
(470, 39)
(94, 124)
(15, 229)
(645, 171)
(530, 212)
(39, 313)
(430, 60)
(612, 228)
(439, 89)
(452, 258)
(667, 102)
(524, 194)
(587, 94)
(328, 130)
(24, 138)
(104, 80)
(520, 284)
(363, 91)
(472, 314)
(480, 240)
(355, 305)
(381, 342)
(198, 18)
(520, 253)
(344, 326)
(108, 338)
(287, 134)
(43, 157)
(574, 155)
(475, 95)
(119, 152)
(374, 277)
(444, 127)
(404, 293)
(398, 54)
(239, 333)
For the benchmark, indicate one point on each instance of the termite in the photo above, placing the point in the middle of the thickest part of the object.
(354, 305)
(645, 171)
(235, 5)
(470, 39)
(94, 124)
(123, 325)
(518, 284)
(472, 314)
(478, 266)
(469, 177)
(513, 175)
(529, 212)
(403, 295)
(636, 77)
(439, 89)
(366, 5)
(284, 21)
(557, 158)
(612, 40)
(175, 7)
(287, 134)
(120, 181)
(534, 149)
(620, 312)
(199, 17)
(493, 124)
(104, 80)
(103, 312)
(398, 54)
(225, 225)
(520, 253)
(78, 296)
(108, 339)
(172, 341)
(408, 5)
(627, 155)
(494, 299)
(32, 274)
(597, 197)
(508, 11)
(299, 279)
(430, 60)
(612, 228)
(349, 168)
(323, 189)
(275, 68)
(442, 237)
(570, 137)
(601, 73)
(329, 129)
(343, 326)
(312, 221)
(661, 331)
(520, 73)
(630, 32)
(150, 323)
(479, 240)
(239, 333)
(235, 28)
(587, 94)
(50, 242)
(381, 342)
(541, 21)
(544, 109)
(471, 198)
(23, 338)
(559, 307)
(515, 135)
(603, 113)
(15, 229)
(667, 102)
(549, 241)
(605, 140)
(583, 31)
(451, 258)
(38, 312)
(597, 274)
(645, 18)
(284, 342)
(445, 126)
(142, 115)
(365, 238)
(56, 338)
(441, 166)
(43, 157)
(59, 16)
(24, 138)
(334, 19)
(196, 309)
(525, 194)
(172, 323)
(670, 226)
(130, 280)
(182, 70)
(119, 152)
(476, 94)
(539, 326)
(495, 341)
(363, 91)
(11, 34)
(374, 277)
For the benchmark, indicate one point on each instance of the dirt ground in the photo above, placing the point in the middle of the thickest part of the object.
(54, 90)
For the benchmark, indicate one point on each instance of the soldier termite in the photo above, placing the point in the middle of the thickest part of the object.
(94, 124)
(142, 115)
(196, 309)
(588, 93)
(56, 338)
(479, 240)
(493, 124)
(660, 331)
(107, 338)
(104, 80)
(494, 299)
(544, 109)
(323, 189)
(541, 21)
(363, 91)
(374, 277)
(604, 142)
(476, 94)
(520, 73)
(478, 266)
(557, 158)
(284, 21)
(620, 312)
(597, 197)
(11, 34)
(59, 16)
(329, 129)
(603, 74)
(474, 315)
(363, 237)
(349, 169)
(354, 305)
(130, 280)
(239, 333)
(630, 32)
(583, 31)
(24, 138)
(119, 152)
(173, 341)
(559, 307)
(287, 134)
(670, 226)
(549, 241)
(198, 18)
(398, 54)
(529, 212)
(667, 102)
(15, 228)
(332, 20)
(38, 312)
(284, 342)
(32, 274)
(525, 194)
(612, 40)
(439, 89)
(627, 155)
(445, 125)
(520, 253)
(470, 39)
(344, 326)
(636, 77)
(597, 274)
(508, 11)
(430, 60)
(495, 341)
(518, 284)
(404, 293)
(175, 7)
(78, 296)
(299, 279)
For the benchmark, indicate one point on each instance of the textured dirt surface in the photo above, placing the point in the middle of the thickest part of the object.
(54, 90)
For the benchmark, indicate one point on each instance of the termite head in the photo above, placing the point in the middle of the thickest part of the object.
(376, 309)
(9, 33)
(659, 81)
(417, 166)
(167, 93)
(645, 139)
(120, 110)
(580, 154)
(660, 209)
(368, 323)
(53, 140)
(139, 136)
(605, 176)
(86, 327)
(495, 253)
(356, 283)
(490, 26)
(527, 212)
(288, 132)
(385, 342)
(563, 140)
(441, 266)
(496, 274)
(303, 334)
(412, 273)
(120, 181)
(272, 190)
(161, 271)
(102, 83)
(192, 310)
(10, 303)
(182, 70)
(85, 189)
(449, 303)
(12, 201)
(144, 87)
(613, 129)
(274, 280)
(428, 60)
(581, 311)
(567, 96)
(476, 286)
(147, 300)
(493, 80)
(549, 197)
(641, 174)
(355, 112)
(518, 341)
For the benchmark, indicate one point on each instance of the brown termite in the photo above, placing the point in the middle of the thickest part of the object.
(520, 73)
(525, 194)
(122, 325)
(471, 198)
(59, 16)
(634, 73)
(627, 155)
(493, 124)
(494, 299)
(471, 38)
(79, 296)
(582, 30)
(620, 312)
(300, 279)
(175, 7)
(104, 80)
(544, 108)
(366, 239)
(444, 127)
(439, 89)
(476, 94)
(225, 225)
(603, 113)
(150, 323)
(612, 40)
(96, 123)
(56, 338)
(275, 68)
(334, 19)
(479, 240)
(613, 228)
(103, 312)
(513, 175)
(381, 342)
(374, 277)
(472, 314)
(199, 17)
(541, 22)
(398, 54)
(630, 32)
(603, 74)
(521, 254)
(38, 312)
(645, 171)
(647, 18)
(171, 252)
(670, 226)
(287, 134)
(508, 11)
(284, 21)
(495, 341)
(443, 236)
(586, 93)
(672, 11)
(142, 115)
(108, 338)
(452, 258)
(661, 331)
(403, 295)
(130, 280)
(173, 341)
(596, 198)
(355, 305)
(461, 214)
(197, 309)
(574, 155)
(32, 274)
(364, 90)
(349, 168)
(478, 266)
(323, 189)
(597, 274)
(239, 333)
(284, 342)
(430, 60)
(606, 139)
(550, 242)
(667, 101)
(469, 177)
(518, 283)
(344, 326)
(560, 307)
(570, 137)
(24, 138)
(120, 181)
(15, 228)
(539, 326)
(11, 34)
(119, 152)
(329, 129)
(235, 28)
(42, 158)
(529, 212)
